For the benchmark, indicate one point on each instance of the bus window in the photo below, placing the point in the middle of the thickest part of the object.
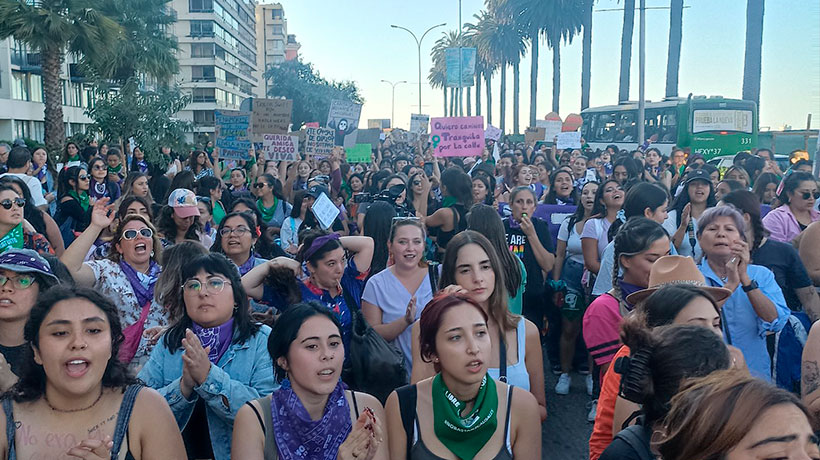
(603, 127)
(669, 126)
(652, 122)
(626, 127)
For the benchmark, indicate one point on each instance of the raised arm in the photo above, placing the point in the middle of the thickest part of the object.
(102, 215)
(254, 280)
(362, 248)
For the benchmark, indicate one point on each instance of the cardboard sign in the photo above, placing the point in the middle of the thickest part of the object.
(318, 142)
(360, 153)
(552, 128)
(270, 116)
(418, 123)
(232, 137)
(492, 133)
(533, 135)
(569, 140)
(457, 136)
(369, 136)
(325, 211)
(343, 119)
(280, 147)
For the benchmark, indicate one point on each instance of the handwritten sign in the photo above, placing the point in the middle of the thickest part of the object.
(569, 140)
(551, 127)
(457, 136)
(492, 133)
(270, 116)
(318, 142)
(232, 136)
(343, 119)
(325, 211)
(280, 147)
(360, 153)
(533, 135)
(418, 123)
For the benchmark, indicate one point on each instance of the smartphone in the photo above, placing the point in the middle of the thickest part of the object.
(428, 168)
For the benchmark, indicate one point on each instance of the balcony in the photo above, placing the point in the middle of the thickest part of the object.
(25, 59)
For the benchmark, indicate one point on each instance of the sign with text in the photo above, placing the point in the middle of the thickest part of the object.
(343, 119)
(465, 67)
(492, 133)
(280, 147)
(457, 136)
(533, 135)
(232, 136)
(318, 142)
(270, 116)
(359, 153)
(569, 140)
(418, 123)
(325, 211)
(551, 128)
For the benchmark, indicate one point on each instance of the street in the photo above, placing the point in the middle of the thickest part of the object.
(565, 433)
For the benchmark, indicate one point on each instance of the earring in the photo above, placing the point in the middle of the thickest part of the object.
(152, 253)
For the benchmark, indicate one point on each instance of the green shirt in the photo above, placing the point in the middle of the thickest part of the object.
(515, 302)
(219, 212)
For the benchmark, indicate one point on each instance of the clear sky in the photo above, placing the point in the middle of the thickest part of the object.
(353, 40)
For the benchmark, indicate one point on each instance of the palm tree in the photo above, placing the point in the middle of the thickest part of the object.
(754, 50)
(437, 76)
(626, 49)
(51, 27)
(484, 67)
(586, 54)
(675, 36)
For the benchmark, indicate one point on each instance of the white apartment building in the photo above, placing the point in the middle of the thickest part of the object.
(274, 44)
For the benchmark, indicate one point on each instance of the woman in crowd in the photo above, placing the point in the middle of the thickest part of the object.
(235, 238)
(569, 269)
(486, 221)
(99, 184)
(797, 212)
(138, 162)
(451, 218)
(311, 415)
(183, 179)
(213, 359)
(289, 233)
(609, 200)
(71, 154)
(43, 169)
(14, 232)
(682, 222)
(298, 176)
(732, 416)
(74, 208)
(127, 276)
(472, 267)
(626, 170)
(200, 165)
(521, 177)
(394, 297)
(41, 220)
(561, 190)
(766, 189)
(239, 182)
(655, 170)
(756, 305)
(167, 290)
(179, 221)
(334, 280)
(270, 202)
(24, 275)
(211, 187)
(135, 205)
(265, 245)
(136, 184)
(418, 190)
(727, 186)
(482, 192)
(809, 242)
(378, 225)
(462, 399)
(739, 174)
(206, 216)
(75, 399)
(115, 162)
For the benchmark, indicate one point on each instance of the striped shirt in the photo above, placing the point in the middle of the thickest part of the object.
(601, 323)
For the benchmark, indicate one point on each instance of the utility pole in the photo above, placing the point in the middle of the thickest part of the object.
(393, 100)
(642, 74)
(418, 44)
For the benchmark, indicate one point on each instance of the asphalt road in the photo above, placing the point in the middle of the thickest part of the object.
(565, 433)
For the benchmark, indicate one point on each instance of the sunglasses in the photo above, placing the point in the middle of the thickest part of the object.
(259, 185)
(130, 234)
(19, 282)
(806, 195)
(7, 203)
(100, 168)
(84, 177)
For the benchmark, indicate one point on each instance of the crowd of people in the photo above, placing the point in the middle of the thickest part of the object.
(179, 305)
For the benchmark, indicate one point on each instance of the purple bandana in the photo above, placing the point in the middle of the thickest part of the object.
(143, 166)
(298, 437)
(626, 289)
(248, 265)
(318, 243)
(143, 292)
(40, 175)
(218, 338)
(97, 189)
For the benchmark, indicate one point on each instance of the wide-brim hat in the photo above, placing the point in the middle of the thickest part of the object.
(676, 270)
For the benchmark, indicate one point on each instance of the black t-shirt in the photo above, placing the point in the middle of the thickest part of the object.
(789, 272)
(520, 247)
(15, 356)
(620, 449)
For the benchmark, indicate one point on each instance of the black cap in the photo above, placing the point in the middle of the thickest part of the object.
(697, 174)
(317, 190)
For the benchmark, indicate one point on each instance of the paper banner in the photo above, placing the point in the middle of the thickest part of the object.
(325, 211)
(232, 136)
(360, 153)
(270, 116)
(457, 136)
(318, 142)
(280, 147)
(551, 127)
(533, 135)
(492, 133)
(418, 123)
(569, 140)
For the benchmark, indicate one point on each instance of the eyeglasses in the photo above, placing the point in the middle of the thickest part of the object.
(19, 282)
(7, 203)
(238, 231)
(259, 185)
(85, 177)
(130, 234)
(212, 286)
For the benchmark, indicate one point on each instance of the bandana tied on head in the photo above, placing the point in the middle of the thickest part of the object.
(318, 243)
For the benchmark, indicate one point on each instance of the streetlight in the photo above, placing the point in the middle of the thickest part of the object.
(393, 100)
(418, 44)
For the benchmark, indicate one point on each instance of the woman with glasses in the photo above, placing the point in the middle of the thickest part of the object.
(74, 208)
(798, 211)
(200, 165)
(127, 276)
(289, 233)
(40, 220)
(213, 359)
(270, 202)
(99, 184)
(235, 238)
(14, 232)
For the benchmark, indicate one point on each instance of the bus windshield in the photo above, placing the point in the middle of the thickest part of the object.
(723, 120)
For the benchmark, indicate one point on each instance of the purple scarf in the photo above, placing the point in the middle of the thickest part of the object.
(144, 293)
(298, 437)
(218, 338)
(97, 189)
(142, 165)
(626, 289)
(248, 265)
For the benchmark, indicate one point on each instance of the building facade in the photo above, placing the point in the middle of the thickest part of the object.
(274, 44)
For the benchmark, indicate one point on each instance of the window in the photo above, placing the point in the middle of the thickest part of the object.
(202, 28)
(38, 131)
(603, 127)
(204, 117)
(198, 6)
(277, 13)
(21, 129)
(203, 95)
(627, 129)
(19, 87)
(202, 73)
(279, 45)
(278, 29)
(36, 87)
(202, 50)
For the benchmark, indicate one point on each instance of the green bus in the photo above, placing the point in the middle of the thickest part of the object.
(712, 126)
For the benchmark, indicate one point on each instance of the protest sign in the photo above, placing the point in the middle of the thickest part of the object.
(318, 142)
(492, 133)
(325, 211)
(359, 153)
(551, 127)
(343, 119)
(398, 135)
(533, 135)
(232, 138)
(569, 140)
(465, 67)
(270, 116)
(280, 147)
(418, 123)
(457, 136)
(312, 124)
(369, 136)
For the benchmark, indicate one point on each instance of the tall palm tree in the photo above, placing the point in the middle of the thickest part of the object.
(484, 68)
(754, 50)
(586, 54)
(675, 36)
(51, 27)
(626, 49)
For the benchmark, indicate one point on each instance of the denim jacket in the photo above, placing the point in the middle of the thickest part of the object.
(244, 373)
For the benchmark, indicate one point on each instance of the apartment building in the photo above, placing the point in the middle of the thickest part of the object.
(274, 44)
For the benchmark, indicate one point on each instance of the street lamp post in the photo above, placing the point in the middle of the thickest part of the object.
(418, 44)
(393, 100)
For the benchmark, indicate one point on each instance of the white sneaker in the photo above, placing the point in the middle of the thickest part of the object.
(589, 384)
(593, 409)
(562, 387)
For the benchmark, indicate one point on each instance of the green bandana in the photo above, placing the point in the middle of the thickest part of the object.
(267, 213)
(464, 436)
(12, 239)
(74, 158)
(448, 201)
(83, 198)
(115, 170)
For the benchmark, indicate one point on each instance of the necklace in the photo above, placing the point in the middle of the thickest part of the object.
(68, 411)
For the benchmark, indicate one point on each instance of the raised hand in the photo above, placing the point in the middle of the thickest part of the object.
(102, 215)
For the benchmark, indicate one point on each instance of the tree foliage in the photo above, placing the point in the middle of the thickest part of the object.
(310, 92)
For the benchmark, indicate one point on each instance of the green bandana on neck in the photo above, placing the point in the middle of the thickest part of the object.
(12, 239)
(267, 213)
(83, 198)
(448, 201)
(74, 158)
(114, 170)
(464, 436)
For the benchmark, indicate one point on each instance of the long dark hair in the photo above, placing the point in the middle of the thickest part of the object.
(747, 202)
(296, 209)
(376, 225)
(762, 181)
(634, 237)
(30, 212)
(663, 306)
(683, 199)
(63, 184)
(213, 264)
(580, 212)
(551, 197)
(217, 246)
(168, 227)
(131, 199)
(641, 195)
(32, 383)
(286, 329)
(458, 185)
(485, 220)
(791, 183)
(599, 208)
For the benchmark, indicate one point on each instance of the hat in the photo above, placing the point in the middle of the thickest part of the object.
(25, 261)
(697, 174)
(183, 201)
(317, 190)
(676, 270)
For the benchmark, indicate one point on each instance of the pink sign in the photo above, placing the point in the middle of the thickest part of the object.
(457, 136)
